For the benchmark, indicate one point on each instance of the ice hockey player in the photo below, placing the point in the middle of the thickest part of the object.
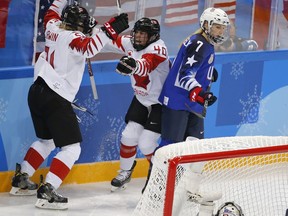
(70, 38)
(186, 91)
(146, 61)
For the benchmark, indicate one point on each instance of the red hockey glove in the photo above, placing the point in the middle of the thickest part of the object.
(116, 25)
(198, 95)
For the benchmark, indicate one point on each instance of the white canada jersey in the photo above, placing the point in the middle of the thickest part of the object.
(62, 63)
(153, 69)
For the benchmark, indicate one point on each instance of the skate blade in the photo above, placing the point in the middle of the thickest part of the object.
(115, 189)
(22, 192)
(44, 204)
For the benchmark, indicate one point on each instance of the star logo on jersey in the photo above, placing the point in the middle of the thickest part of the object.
(141, 81)
(191, 61)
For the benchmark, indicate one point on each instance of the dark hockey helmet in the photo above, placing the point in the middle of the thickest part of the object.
(76, 16)
(151, 26)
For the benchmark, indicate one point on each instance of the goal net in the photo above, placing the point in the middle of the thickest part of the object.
(251, 171)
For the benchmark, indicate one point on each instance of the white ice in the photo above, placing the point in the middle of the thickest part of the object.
(94, 199)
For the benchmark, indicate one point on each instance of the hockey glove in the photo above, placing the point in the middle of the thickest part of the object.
(91, 24)
(126, 66)
(116, 25)
(249, 45)
(214, 75)
(198, 95)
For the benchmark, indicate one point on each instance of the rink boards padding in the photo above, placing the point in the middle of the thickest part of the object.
(82, 173)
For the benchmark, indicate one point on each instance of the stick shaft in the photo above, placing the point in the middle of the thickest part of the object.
(118, 6)
(206, 103)
(92, 80)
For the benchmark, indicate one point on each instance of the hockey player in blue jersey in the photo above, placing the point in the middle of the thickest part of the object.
(186, 93)
(186, 88)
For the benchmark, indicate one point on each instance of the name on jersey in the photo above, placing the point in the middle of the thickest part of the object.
(51, 36)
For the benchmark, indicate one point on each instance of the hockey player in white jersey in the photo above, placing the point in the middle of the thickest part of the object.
(146, 62)
(70, 39)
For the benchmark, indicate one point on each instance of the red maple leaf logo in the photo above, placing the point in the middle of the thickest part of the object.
(141, 82)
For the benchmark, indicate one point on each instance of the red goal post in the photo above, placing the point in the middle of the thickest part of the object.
(260, 156)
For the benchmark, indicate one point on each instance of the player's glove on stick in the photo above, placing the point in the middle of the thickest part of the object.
(126, 66)
(198, 95)
(116, 25)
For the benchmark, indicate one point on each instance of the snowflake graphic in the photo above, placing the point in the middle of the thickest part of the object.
(251, 112)
(3, 110)
(110, 144)
(237, 69)
(89, 117)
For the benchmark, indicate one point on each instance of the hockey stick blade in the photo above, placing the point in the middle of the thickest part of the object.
(92, 80)
(200, 115)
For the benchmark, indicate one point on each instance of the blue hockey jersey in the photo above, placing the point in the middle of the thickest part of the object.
(193, 66)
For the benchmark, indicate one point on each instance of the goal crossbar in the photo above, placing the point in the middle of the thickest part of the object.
(174, 162)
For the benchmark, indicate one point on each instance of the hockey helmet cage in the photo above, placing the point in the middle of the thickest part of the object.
(229, 209)
(214, 16)
(151, 27)
(76, 16)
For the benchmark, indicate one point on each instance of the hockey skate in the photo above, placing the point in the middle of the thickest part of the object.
(48, 198)
(120, 182)
(21, 184)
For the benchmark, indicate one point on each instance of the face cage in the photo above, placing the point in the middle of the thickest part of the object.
(216, 40)
(139, 47)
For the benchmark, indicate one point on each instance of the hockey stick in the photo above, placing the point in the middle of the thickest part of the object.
(118, 6)
(83, 109)
(92, 80)
(204, 111)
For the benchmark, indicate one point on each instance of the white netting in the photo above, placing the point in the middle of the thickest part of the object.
(259, 184)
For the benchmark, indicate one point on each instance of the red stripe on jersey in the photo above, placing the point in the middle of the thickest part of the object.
(153, 61)
(59, 168)
(49, 16)
(99, 40)
(34, 158)
(118, 42)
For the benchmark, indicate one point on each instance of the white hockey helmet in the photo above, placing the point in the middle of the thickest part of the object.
(229, 209)
(214, 16)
